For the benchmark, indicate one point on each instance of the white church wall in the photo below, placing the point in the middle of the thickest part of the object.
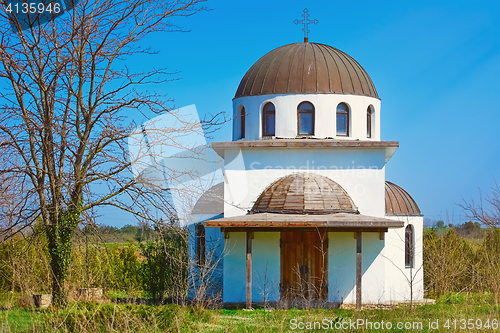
(399, 279)
(325, 115)
(265, 267)
(373, 267)
(342, 268)
(234, 268)
(361, 172)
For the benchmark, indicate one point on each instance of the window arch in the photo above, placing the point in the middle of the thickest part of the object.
(342, 120)
(369, 121)
(409, 246)
(242, 122)
(200, 244)
(269, 120)
(305, 118)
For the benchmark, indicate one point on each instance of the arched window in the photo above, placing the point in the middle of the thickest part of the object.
(268, 120)
(369, 113)
(342, 120)
(242, 122)
(200, 244)
(305, 118)
(409, 246)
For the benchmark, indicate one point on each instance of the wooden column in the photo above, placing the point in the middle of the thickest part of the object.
(249, 270)
(358, 270)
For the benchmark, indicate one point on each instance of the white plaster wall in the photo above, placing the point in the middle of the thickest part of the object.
(214, 257)
(342, 268)
(361, 172)
(265, 267)
(325, 115)
(373, 267)
(376, 271)
(398, 278)
(234, 268)
(237, 122)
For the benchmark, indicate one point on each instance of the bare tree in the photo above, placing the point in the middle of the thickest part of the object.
(65, 88)
(15, 199)
(486, 210)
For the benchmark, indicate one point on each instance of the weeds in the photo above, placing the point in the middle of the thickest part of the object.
(85, 317)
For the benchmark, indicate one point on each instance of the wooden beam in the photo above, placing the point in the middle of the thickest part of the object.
(249, 269)
(358, 270)
(301, 229)
(304, 143)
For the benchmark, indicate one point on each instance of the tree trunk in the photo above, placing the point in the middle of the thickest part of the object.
(59, 235)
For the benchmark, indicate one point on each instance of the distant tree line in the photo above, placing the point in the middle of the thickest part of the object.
(468, 229)
(110, 234)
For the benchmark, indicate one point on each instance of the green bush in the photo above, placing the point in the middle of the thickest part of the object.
(487, 264)
(164, 272)
(448, 264)
(24, 264)
(125, 268)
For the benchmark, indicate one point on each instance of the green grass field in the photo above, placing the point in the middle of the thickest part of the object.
(475, 312)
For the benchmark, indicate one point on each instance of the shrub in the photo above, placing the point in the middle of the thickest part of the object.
(165, 269)
(448, 264)
(487, 264)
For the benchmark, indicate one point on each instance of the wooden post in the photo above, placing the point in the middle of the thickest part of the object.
(249, 270)
(358, 270)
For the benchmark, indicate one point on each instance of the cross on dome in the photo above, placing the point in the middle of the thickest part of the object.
(306, 21)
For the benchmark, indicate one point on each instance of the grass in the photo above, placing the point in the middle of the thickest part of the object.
(108, 317)
(116, 245)
(18, 320)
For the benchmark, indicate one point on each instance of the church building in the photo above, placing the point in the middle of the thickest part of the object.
(305, 210)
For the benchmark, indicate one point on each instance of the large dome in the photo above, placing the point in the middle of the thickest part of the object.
(304, 193)
(306, 68)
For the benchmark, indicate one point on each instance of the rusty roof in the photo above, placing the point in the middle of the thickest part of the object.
(304, 193)
(306, 68)
(398, 202)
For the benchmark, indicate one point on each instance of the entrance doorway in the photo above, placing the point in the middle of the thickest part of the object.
(304, 262)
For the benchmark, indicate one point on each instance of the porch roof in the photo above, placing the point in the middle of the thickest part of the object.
(331, 221)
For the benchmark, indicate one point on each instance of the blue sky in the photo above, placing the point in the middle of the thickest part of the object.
(435, 64)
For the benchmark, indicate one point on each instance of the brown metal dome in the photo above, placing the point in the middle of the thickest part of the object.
(398, 202)
(304, 193)
(306, 68)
